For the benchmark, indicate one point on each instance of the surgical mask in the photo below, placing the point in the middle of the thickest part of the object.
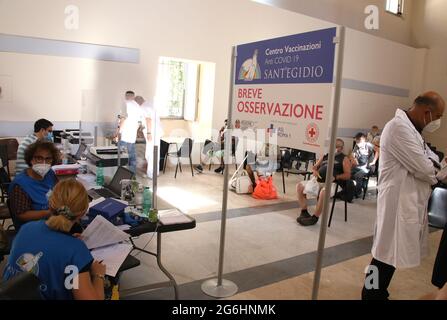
(41, 169)
(50, 137)
(433, 125)
(361, 144)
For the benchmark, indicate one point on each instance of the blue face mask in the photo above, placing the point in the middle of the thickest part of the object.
(49, 137)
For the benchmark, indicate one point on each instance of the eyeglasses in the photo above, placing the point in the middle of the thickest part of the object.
(40, 159)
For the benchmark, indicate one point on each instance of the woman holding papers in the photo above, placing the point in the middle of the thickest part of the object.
(61, 261)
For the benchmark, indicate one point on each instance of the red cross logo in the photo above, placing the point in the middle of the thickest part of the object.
(312, 133)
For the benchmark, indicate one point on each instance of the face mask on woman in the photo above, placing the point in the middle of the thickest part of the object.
(41, 168)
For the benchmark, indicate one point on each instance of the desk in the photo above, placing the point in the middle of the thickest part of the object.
(149, 227)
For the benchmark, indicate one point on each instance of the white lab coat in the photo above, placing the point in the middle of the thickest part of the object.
(405, 178)
(156, 134)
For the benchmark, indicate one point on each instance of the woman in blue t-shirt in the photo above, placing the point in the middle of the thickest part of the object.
(29, 191)
(60, 260)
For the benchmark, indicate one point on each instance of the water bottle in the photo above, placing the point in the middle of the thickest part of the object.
(64, 157)
(99, 175)
(147, 201)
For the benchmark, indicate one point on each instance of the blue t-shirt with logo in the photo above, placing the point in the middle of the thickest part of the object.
(52, 256)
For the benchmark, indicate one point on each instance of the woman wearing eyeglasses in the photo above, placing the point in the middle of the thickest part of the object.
(30, 190)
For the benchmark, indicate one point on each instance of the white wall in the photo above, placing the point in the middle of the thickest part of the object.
(351, 13)
(57, 87)
(430, 31)
(376, 61)
(53, 87)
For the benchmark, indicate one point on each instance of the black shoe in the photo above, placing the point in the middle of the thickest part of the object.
(308, 221)
(218, 170)
(304, 215)
(199, 168)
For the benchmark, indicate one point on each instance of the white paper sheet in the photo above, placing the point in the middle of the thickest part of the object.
(101, 232)
(94, 202)
(112, 256)
(172, 216)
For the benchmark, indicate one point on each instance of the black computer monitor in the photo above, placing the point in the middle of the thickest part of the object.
(81, 151)
(120, 174)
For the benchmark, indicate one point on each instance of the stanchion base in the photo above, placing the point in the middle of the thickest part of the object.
(227, 289)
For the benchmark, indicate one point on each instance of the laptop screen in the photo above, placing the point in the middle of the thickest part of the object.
(120, 174)
(81, 150)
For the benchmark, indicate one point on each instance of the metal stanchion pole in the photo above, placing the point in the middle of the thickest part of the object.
(155, 177)
(95, 137)
(340, 40)
(221, 288)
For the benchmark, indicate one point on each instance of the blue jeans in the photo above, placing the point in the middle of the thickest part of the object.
(132, 155)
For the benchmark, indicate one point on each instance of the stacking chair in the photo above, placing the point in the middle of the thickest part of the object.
(184, 152)
(234, 144)
(4, 213)
(287, 159)
(5, 181)
(333, 205)
(374, 174)
(8, 152)
(437, 208)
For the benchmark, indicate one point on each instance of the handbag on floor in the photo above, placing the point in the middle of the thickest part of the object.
(240, 182)
(265, 190)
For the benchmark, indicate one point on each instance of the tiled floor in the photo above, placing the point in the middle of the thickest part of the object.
(267, 254)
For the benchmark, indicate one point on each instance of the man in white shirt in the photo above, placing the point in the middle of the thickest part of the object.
(153, 132)
(128, 127)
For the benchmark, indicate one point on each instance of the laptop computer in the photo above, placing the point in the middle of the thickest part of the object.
(112, 190)
(74, 159)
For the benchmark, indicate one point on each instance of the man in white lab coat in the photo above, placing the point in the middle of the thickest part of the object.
(407, 170)
(153, 132)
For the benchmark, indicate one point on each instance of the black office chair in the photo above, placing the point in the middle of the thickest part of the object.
(24, 286)
(184, 152)
(333, 205)
(437, 208)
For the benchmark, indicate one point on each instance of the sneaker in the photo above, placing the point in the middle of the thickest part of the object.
(304, 215)
(308, 221)
(199, 168)
(218, 170)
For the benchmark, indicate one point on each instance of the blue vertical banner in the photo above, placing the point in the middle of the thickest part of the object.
(284, 85)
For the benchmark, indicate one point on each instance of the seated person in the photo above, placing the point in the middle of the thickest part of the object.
(48, 249)
(29, 191)
(374, 133)
(267, 160)
(211, 149)
(43, 130)
(364, 157)
(342, 173)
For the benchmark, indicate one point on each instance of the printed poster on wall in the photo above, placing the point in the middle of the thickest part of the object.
(284, 85)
